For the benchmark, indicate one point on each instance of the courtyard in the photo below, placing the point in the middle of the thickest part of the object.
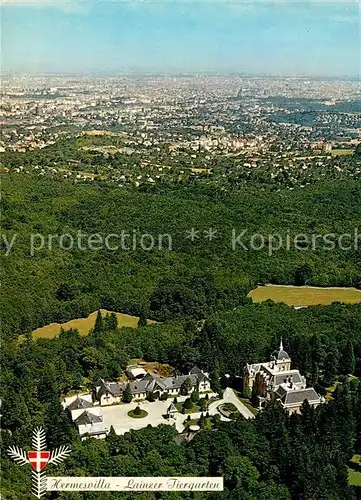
(117, 415)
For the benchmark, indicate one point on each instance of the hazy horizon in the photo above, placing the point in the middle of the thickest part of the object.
(273, 38)
(160, 73)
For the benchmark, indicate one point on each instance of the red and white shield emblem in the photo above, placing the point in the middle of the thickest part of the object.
(38, 459)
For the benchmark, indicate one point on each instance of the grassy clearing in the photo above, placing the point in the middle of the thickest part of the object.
(106, 133)
(299, 296)
(354, 477)
(354, 473)
(201, 170)
(341, 152)
(84, 325)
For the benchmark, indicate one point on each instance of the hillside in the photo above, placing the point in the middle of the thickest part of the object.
(50, 276)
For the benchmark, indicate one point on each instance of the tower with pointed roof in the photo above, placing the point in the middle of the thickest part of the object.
(281, 358)
(281, 382)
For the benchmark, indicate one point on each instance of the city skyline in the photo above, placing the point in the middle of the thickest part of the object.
(254, 38)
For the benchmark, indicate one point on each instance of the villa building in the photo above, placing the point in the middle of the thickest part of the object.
(275, 379)
(108, 393)
(87, 418)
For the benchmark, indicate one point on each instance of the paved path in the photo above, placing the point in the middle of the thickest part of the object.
(230, 397)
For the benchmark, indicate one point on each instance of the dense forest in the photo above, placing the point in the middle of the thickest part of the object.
(198, 291)
(192, 278)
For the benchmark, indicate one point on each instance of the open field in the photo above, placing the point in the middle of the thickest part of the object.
(354, 476)
(105, 132)
(341, 152)
(299, 296)
(84, 325)
(201, 170)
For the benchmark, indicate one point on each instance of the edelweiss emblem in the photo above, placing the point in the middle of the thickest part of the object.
(38, 459)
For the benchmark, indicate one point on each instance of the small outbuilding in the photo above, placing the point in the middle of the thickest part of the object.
(171, 411)
(136, 373)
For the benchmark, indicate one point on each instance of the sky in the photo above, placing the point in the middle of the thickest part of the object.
(291, 37)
